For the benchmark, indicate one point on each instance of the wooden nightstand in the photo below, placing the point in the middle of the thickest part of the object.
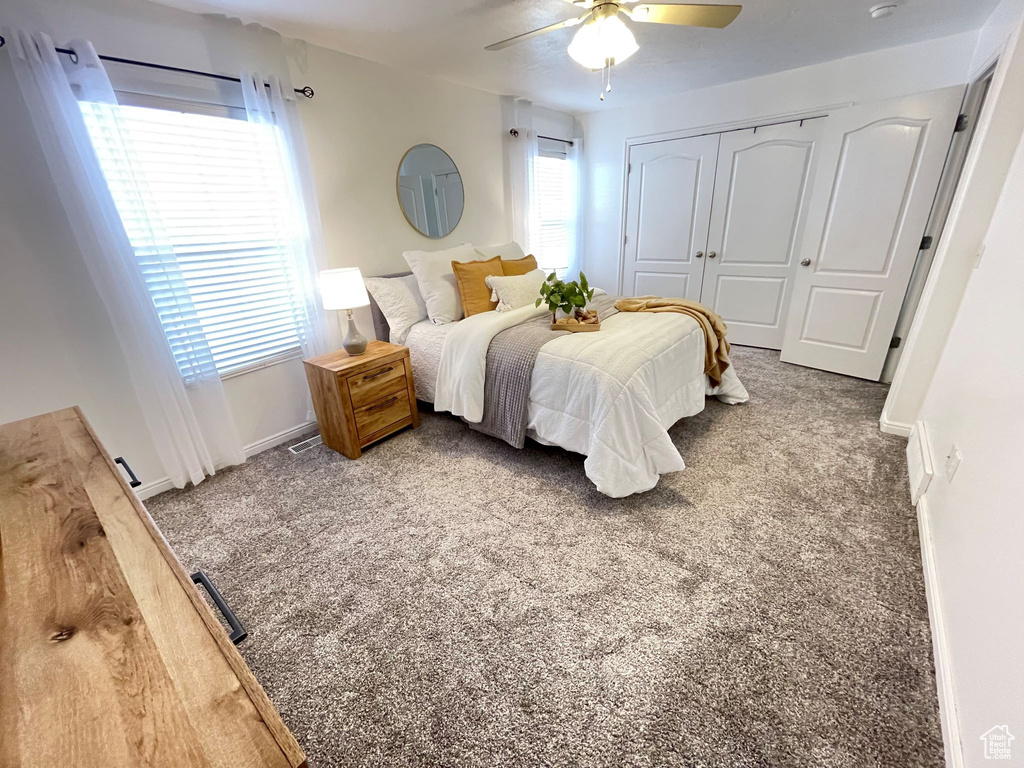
(358, 400)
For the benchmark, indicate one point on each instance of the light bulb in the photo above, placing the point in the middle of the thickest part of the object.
(600, 40)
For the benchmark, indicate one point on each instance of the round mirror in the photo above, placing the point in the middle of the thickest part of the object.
(430, 190)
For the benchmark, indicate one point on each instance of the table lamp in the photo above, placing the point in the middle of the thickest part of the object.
(344, 289)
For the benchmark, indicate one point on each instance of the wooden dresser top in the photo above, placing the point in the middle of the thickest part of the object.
(108, 654)
(377, 353)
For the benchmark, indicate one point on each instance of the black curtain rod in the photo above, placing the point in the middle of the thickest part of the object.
(307, 91)
(514, 133)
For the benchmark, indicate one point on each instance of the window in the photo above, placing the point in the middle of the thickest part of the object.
(551, 190)
(204, 201)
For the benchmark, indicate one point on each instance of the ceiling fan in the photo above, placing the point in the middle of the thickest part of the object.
(604, 40)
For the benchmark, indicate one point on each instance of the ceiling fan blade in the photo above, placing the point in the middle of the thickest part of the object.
(536, 32)
(687, 15)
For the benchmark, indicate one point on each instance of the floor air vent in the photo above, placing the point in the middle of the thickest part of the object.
(305, 445)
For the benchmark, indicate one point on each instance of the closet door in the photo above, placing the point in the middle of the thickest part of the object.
(668, 209)
(875, 182)
(762, 190)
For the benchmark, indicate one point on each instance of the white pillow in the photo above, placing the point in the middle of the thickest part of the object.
(434, 275)
(400, 302)
(509, 251)
(515, 291)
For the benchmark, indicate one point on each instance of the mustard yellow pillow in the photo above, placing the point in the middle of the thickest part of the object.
(512, 267)
(470, 276)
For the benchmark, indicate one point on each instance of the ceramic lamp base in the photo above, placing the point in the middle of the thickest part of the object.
(355, 342)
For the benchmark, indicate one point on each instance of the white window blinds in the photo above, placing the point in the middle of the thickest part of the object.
(202, 201)
(551, 190)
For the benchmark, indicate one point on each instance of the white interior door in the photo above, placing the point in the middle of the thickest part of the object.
(449, 196)
(876, 178)
(668, 209)
(762, 190)
(410, 191)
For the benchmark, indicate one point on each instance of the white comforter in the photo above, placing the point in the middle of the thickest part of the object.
(610, 395)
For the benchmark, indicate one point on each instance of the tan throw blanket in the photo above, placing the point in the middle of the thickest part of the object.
(716, 348)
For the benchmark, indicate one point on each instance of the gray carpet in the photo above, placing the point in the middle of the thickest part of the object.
(448, 600)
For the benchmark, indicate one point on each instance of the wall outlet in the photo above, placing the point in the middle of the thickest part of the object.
(952, 462)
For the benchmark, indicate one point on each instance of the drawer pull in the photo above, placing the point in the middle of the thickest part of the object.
(238, 632)
(134, 482)
(381, 372)
(385, 404)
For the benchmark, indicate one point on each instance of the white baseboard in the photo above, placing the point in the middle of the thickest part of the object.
(281, 437)
(894, 427)
(146, 490)
(948, 714)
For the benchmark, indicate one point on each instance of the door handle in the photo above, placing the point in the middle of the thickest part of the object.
(805, 262)
(699, 255)
(711, 254)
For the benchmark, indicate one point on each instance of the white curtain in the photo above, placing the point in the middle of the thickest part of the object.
(191, 426)
(523, 150)
(574, 225)
(276, 106)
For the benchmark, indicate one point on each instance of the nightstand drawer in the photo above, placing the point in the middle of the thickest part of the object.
(369, 387)
(371, 419)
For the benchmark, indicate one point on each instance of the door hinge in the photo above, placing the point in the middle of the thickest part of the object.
(629, 168)
(895, 342)
(962, 121)
(926, 242)
(625, 239)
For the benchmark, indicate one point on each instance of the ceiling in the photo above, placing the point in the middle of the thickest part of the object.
(446, 39)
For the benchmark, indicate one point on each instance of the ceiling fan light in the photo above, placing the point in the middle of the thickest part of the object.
(600, 40)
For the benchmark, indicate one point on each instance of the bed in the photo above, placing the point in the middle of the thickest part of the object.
(603, 395)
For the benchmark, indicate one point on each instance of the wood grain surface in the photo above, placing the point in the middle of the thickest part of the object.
(108, 654)
(365, 388)
(372, 419)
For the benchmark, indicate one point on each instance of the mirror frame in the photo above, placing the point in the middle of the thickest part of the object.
(398, 190)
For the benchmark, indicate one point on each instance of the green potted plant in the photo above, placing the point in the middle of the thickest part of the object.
(572, 299)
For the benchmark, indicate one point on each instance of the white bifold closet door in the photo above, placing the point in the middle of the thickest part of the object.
(668, 212)
(718, 219)
(878, 169)
(762, 190)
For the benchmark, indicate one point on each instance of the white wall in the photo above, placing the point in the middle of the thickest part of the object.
(868, 77)
(55, 338)
(976, 401)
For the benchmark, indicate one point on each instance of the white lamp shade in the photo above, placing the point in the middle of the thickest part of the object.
(603, 39)
(343, 288)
